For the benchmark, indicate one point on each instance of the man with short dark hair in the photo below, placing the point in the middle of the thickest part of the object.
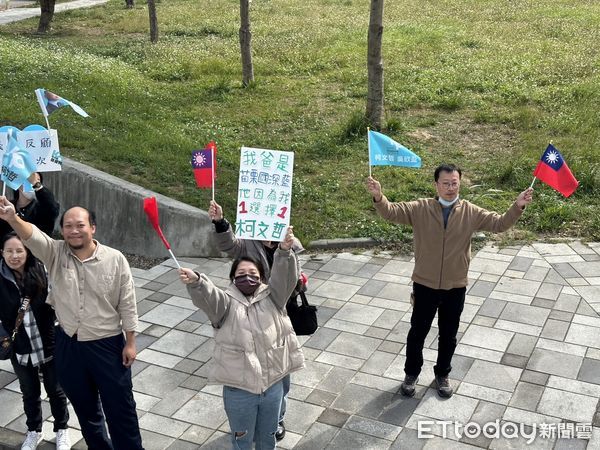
(442, 230)
(94, 299)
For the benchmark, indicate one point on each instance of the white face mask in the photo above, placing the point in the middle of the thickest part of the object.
(27, 195)
(446, 203)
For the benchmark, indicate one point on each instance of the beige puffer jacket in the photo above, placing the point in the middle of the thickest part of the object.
(255, 344)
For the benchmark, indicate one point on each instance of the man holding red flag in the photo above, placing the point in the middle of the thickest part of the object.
(94, 298)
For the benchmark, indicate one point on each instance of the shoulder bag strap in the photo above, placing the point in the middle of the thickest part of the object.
(304, 300)
(22, 310)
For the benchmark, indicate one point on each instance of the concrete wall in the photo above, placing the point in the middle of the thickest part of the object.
(121, 221)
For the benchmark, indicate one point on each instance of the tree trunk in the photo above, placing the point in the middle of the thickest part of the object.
(246, 43)
(47, 13)
(153, 21)
(375, 111)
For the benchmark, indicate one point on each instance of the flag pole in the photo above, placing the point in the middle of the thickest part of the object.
(531, 185)
(174, 259)
(535, 178)
(212, 170)
(47, 124)
(3, 189)
(369, 149)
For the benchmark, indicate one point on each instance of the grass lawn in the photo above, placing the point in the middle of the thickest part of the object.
(482, 83)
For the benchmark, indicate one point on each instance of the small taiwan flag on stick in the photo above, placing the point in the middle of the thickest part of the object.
(204, 164)
(553, 170)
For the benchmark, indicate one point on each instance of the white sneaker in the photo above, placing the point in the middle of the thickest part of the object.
(62, 440)
(32, 439)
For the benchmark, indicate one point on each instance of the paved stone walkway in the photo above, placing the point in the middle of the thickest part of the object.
(16, 14)
(528, 353)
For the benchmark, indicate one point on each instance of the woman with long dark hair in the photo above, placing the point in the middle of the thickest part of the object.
(24, 276)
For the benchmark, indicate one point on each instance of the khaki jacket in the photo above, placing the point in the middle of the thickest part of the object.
(443, 255)
(255, 344)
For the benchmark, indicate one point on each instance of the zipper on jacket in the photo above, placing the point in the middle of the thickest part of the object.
(444, 243)
(442, 259)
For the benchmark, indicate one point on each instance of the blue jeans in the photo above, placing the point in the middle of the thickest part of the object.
(253, 417)
(286, 389)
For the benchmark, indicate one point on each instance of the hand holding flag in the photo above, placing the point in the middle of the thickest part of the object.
(374, 188)
(552, 169)
(151, 210)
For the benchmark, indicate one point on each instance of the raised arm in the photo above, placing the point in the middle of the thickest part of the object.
(226, 240)
(8, 213)
(47, 206)
(397, 212)
(491, 221)
(41, 245)
(284, 273)
(206, 296)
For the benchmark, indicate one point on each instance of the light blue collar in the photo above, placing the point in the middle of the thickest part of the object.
(446, 203)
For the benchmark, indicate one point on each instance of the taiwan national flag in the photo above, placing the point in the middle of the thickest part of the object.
(384, 151)
(204, 165)
(553, 170)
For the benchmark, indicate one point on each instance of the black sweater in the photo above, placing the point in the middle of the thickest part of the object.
(42, 212)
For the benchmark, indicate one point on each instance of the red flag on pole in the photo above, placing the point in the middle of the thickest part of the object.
(553, 170)
(204, 164)
(151, 210)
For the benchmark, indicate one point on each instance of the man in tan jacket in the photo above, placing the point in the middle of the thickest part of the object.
(442, 230)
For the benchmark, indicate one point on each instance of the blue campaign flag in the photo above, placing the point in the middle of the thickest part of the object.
(384, 151)
(50, 102)
(17, 165)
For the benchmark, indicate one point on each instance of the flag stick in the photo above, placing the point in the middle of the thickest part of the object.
(174, 259)
(212, 171)
(369, 149)
(47, 124)
(3, 189)
(531, 185)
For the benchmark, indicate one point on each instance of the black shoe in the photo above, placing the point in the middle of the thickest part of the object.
(408, 385)
(443, 386)
(280, 433)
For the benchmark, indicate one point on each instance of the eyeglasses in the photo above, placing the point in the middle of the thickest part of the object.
(447, 185)
(13, 252)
